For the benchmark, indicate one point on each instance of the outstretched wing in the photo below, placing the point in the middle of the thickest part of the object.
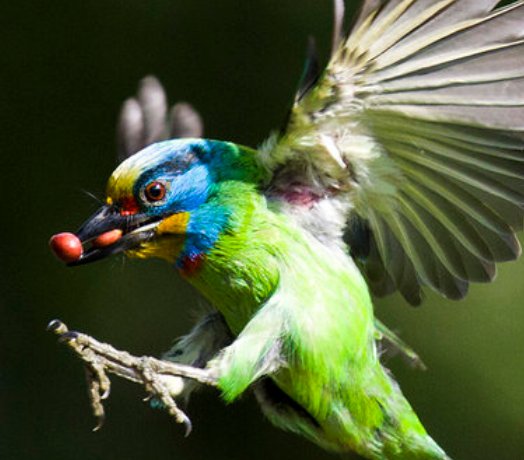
(145, 119)
(418, 123)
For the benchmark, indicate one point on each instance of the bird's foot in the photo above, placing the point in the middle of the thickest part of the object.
(157, 376)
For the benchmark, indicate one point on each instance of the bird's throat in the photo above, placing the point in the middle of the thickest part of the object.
(231, 255)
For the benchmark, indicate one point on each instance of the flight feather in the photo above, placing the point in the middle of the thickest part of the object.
(417, 125)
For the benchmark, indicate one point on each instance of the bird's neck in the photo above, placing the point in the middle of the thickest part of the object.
(231, 251)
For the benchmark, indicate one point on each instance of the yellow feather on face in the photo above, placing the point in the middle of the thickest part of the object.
(121, 183)
(175, 224)
(164, 248)
(125, 176)
(173, 228)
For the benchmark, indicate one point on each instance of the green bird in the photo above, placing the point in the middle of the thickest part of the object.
(401, 166)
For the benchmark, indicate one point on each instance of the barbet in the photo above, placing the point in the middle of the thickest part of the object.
(401, 166)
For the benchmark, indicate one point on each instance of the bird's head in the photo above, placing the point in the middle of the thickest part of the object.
(152, 198)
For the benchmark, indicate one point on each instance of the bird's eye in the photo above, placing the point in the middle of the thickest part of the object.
(155, 191)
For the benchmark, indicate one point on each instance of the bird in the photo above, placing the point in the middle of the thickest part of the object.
(400, 167)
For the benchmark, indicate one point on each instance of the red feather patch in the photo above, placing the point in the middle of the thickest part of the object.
(128, 206)
(190, 265)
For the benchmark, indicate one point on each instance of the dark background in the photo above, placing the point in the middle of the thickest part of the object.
(66, 67)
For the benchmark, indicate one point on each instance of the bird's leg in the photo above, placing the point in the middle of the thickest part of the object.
(154, 374)
(197, 349)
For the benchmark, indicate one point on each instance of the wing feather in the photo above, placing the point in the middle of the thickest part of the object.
(452, 42)
(508, 93)
(417, 125)
(387, 255)
(144, 119)
(503, 62)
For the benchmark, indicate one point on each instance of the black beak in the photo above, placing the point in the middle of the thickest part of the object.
(103, 220)
(108, 218)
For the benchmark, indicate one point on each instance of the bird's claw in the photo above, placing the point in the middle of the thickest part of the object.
(98, 383)
(95, 397)
(157, 389)
(68, 336)
(101, 358)
(56, 326)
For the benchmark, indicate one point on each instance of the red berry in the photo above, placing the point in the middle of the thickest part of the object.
(107, 238)
(66, 246)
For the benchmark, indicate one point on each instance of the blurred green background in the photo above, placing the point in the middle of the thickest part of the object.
(67, 66)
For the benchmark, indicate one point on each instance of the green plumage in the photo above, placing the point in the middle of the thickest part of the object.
(264, 275)
(401, 167)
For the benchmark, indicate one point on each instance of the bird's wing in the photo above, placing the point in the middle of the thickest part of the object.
(145, 119)
(418, 119)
